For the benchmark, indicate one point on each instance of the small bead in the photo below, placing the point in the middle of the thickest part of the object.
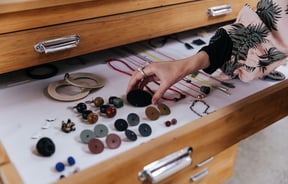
(92, 118)
(118, 102)
(111, 99)
(62, 176)
(168, 123)
(98, 101)
(59, 167)
(111, 111)
(81, 107)
(85, 114)
(103, 108)
(71, 161)
(174, 121)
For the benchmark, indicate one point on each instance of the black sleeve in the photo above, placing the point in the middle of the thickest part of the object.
(219, 50)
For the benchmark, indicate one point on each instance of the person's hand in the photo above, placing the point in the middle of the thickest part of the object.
(166, 73)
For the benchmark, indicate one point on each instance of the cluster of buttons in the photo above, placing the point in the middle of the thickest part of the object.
(133, 120)
(92, 138)
(153, 113)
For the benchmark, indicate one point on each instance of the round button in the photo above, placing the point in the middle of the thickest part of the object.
(113, 141)
(152, 113)
(121, 124)
(95, 146)
(100, 130)
(71, 161)
(86, 135)
(103, 108)
(145, 130)
(130, 135)
(133, 119)
(164, 109)
(139, 98)
(45, 146)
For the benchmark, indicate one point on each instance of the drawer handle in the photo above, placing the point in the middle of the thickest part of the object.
(201, 164)
(219, 10)
(198, 176)
(58, 44)
(161, 169)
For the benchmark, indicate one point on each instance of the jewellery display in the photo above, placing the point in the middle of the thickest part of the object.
(45, 147)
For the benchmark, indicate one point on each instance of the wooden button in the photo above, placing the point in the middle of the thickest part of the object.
(139, 98)
(95, 146)
(86, 135)
(121, 124)
(130, 135)
(145, 130)
(152, 113)
(100, 130)
(113, 141)
(164, 109)
(133, 119)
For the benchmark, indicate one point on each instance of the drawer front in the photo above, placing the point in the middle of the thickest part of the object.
(216, 171)
(20, 15)
(102, 33)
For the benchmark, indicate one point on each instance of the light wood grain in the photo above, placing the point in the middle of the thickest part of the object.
(102, 33)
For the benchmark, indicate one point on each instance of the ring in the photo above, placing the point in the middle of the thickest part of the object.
(140, 69)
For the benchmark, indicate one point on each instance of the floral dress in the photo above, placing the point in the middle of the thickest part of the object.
(254, 45)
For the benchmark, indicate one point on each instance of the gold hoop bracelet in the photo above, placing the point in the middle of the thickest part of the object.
(52, 91)
(72, 79)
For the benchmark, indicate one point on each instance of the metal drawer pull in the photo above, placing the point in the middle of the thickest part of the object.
(161, 169)
(58, 44)
(199, 175)
(219, 10)
(205, 162)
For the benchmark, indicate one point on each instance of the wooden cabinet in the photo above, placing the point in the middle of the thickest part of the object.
(99, 24)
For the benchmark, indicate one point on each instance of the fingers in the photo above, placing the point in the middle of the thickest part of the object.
(137, 79)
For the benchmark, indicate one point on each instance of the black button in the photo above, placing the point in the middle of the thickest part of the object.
(121, 124)
(139, 98)
(45, 146)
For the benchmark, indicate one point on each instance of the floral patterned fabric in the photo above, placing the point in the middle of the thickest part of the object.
(260, 40)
